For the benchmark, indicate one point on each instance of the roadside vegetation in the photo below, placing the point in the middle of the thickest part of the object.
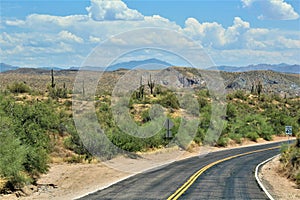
(290, 161)
(37, 127)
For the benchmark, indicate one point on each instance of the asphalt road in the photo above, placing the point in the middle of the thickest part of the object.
(231, 179)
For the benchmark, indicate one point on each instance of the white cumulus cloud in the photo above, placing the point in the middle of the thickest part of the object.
(213, 34)
(67, 39)
(68, 36)
(94, 39)
(101, 10)
(274, 9)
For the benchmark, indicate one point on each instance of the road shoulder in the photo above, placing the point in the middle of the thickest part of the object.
(278, 186)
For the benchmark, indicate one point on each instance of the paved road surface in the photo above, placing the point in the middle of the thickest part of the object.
(231, 179)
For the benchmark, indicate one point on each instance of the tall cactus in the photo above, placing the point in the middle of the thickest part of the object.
(151, 85)
(141, 89)
(253, 89)
(52, 79)
(259, 88)
(140, 93)
(83, 89)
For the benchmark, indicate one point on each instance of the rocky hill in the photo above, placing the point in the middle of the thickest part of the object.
(180, 77)
(272, 82)
(284, 68)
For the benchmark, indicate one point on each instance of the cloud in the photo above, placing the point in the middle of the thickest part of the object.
(250, 56)
(94, 39)
(274, 9)
(67, 39)
(67, 36)
(288, 43)
(63, 21)
(214, 34)
(247, 3)
(14, 22)
(101, 10)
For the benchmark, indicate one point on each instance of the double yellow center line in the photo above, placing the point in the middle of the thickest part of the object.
(194, 177)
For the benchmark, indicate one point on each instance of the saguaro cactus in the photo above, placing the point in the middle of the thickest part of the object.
(259, 88)
(151, 85)
(253, 89)
(83, 90)
(141, 89)
(140, 93)
(52, 79)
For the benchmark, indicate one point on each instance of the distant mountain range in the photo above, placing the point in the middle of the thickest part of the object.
(284, 68)
(158, 64)
(152, 63)
(5, 67)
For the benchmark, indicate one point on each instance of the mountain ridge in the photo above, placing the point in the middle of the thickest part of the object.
(154, 63)
(282, 67)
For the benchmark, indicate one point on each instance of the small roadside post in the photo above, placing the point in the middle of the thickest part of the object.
(168, 125)
(288, 131)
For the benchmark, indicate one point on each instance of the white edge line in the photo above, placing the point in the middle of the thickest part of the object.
(258, 180)
(104, 187)
(126, 177)
(164, 164)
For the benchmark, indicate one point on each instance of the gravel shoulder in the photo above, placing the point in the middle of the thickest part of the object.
(278, 186)
(69, 181)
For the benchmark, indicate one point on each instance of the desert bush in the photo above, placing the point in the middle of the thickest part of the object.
(290, 159)
(253, 136)
(222, 141)
(12, 159)
(240, 94)
(19, 87)
(202, 102)
(73, 141)
(25, 141)
(145, 116)
(231, 111)
(57, 92)
(236, 137)
(169, 101)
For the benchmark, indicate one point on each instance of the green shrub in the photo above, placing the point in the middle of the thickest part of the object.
(290, 159)
(202, 102)
(145, 116)
(169, 101)
(231, 111)
(240, 94)
(236, 137)
(74, 143)
(12, 159)
(25, 142)
(222, 141)
(253, 136)
(298, 178)
(58, 92)
(19, 87)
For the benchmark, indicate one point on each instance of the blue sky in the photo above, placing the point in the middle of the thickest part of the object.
(232, 32)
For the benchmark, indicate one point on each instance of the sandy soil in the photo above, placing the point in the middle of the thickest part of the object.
(69, 181)
(278, 186)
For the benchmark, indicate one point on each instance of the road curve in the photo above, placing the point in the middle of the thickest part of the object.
(229, 179)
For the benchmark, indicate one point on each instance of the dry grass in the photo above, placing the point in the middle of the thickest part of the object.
(2, 183)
